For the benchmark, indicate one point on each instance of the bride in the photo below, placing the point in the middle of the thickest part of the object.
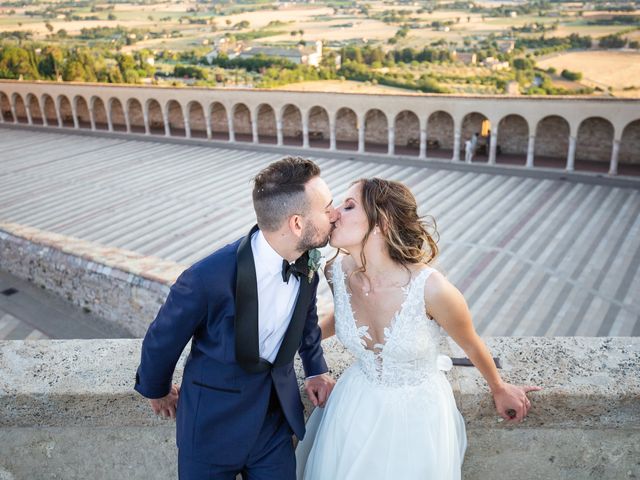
(392, 414)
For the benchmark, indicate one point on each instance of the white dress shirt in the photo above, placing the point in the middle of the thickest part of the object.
(276, 299)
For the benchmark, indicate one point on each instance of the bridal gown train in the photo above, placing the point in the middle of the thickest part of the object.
(391, 415)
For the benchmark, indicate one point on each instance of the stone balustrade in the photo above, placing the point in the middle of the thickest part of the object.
(521, 131)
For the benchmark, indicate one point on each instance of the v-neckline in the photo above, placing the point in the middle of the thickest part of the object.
(389, 329)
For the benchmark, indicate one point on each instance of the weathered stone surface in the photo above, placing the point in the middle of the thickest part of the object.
(68, 408)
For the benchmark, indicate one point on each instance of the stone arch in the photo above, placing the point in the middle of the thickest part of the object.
(5, 108)
(155, 117)
(197, 120)
(406, 127)
(34, 108)
(346, 129)
(99, 114)
(219, 121)
(440, 134)
(66, 112)
(49, 110)
(242, 125)
(552, 141)
(116, 113)
(594, 143)
(472, 124)
(291, 125)
(376, 131)
(82, 112)
(630, 143)
(20, 108)
(267, 129)
(176, 119)
(136, 116)
(513, 139)
(319, 128)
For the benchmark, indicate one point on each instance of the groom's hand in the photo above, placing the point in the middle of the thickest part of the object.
(166, 406)
(319, 388)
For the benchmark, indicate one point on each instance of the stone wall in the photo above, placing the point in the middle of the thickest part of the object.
(122, 287)
(68, 411)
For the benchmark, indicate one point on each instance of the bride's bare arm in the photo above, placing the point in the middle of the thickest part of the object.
(448, 307)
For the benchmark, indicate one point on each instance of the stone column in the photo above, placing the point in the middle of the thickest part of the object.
(232, 132)
(145, 115)
(530, 149)
(167, 124)
(615, 152)
(254, 129)
(391, 141)
(361, 132)
(127, 122)
(571, 156)
(187, 127)
(74, 114)
(13, 112)
(58, 115)
(456, 144)
(494, 145)
(207, 120)
(423, 144)
(332, 135)
(109, 120)
(92, 118)
(279, 135)
(305, 132)
(27, 108)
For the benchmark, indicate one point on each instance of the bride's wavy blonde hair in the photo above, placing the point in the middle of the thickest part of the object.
(390, 205)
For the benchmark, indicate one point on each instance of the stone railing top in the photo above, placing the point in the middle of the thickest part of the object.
(587, 382)
(536, 98)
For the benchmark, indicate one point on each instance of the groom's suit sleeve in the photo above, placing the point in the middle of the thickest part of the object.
(183, 311)
(310, 349)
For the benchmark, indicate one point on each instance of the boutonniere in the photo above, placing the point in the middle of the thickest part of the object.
(314, 263)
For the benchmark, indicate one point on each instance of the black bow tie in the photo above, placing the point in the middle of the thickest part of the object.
(297, 269)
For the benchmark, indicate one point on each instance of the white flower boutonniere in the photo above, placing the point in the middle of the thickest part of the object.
(314, 263)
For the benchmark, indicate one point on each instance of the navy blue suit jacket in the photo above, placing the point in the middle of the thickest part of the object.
(226, 387)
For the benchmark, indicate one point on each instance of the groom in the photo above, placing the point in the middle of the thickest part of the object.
(247, 308)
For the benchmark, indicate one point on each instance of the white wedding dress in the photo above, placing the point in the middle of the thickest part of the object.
(392, 414)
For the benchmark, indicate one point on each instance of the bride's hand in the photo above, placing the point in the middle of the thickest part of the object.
(511, 401)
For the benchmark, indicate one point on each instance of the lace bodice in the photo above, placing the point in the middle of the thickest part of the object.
(409, 354)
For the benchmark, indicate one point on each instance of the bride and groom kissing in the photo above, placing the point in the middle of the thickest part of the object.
(250, 306)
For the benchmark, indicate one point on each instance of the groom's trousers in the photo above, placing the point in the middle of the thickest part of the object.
(271, 458)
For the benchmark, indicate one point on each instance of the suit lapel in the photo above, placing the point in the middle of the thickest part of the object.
(293, 334)
(246, 321)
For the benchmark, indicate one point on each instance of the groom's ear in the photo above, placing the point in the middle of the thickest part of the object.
(295, 225)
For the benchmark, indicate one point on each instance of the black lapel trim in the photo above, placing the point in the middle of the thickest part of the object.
(293, 335)
(246, 321)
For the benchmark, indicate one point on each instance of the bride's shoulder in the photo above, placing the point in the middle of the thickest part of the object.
(332, 263)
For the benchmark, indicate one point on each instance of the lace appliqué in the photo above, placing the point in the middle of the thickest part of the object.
(409, 354)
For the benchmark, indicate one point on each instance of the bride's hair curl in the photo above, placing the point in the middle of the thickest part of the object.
(391, 206)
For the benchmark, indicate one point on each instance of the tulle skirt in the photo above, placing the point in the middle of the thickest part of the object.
(370, 432)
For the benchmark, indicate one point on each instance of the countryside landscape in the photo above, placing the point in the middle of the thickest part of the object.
(531, 47)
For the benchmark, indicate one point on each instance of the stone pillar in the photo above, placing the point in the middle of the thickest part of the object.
(232, 132)
(145, 115)
(109, 120)
(332, 135)
(423, 144)
(305, 132)
(167, 125)
(187, 127)
(207, 120)
(279, 135)
(92, 118)
(391, 141)
(27, 108)
(127, 122)
(571, 156)
(254, 130)
(58, 115)
(456, 144)
(494, 145)
(613, 166)
(13, 112)
(530, 149)
(74, 114)
(361, 132)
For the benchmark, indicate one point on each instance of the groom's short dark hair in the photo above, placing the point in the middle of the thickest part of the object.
(279, 191)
